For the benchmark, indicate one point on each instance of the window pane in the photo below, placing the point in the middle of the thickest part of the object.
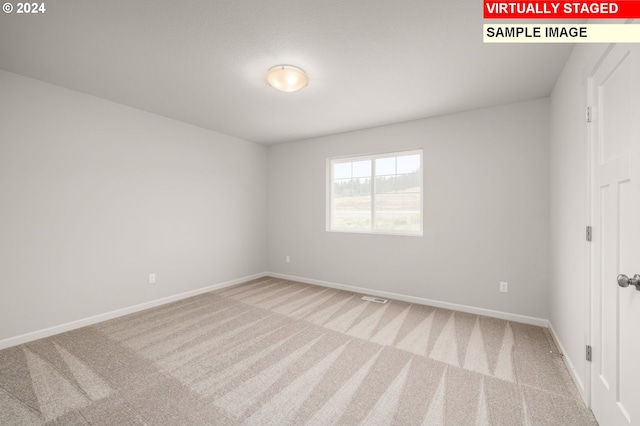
(408, 163)
(352, 204)
(395, 192)
(397, 202)
(386, 166)
(385, 184)
(341, 170)
(398, 211)
(408, 183)
(362, 168)
(342, 187)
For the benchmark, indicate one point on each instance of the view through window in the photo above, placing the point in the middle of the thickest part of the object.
(376, 193)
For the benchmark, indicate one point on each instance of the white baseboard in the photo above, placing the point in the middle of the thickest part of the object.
(35, 335)
(419, 300)
(57, 329)
(572, 370)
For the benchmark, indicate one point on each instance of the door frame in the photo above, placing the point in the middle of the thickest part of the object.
(592, 193)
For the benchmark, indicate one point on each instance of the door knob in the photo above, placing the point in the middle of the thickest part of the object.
(624, 281)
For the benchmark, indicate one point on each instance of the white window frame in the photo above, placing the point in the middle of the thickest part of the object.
(372, 158)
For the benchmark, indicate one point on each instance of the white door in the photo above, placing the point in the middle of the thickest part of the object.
(615, 310)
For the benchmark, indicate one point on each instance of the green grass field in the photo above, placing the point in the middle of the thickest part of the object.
(397, 211)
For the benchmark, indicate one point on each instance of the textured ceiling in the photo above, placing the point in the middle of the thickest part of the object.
(370, 62)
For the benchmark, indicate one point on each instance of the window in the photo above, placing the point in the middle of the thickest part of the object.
(376, 193)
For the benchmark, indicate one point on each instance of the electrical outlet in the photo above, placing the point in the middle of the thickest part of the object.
(288, 258)
(504, 286)
(152, 278)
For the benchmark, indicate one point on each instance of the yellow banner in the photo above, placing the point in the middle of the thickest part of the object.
(561, 33)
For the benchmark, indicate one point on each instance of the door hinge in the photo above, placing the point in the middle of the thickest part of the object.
(589, 114)
(588, 353)
(589, 233)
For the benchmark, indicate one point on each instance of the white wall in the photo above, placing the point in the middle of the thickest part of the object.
(569, 209)
(95, 196)
(485, 211)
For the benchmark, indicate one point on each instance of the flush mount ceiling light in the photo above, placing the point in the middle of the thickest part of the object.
(287, 78)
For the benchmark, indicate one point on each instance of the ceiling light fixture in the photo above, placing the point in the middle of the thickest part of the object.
(287, 78)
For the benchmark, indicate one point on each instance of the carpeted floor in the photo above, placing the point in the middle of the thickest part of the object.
(274, 352)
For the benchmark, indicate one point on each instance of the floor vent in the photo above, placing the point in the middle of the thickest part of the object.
(374, 299)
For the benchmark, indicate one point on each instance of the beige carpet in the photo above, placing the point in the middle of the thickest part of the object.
(274, 352)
